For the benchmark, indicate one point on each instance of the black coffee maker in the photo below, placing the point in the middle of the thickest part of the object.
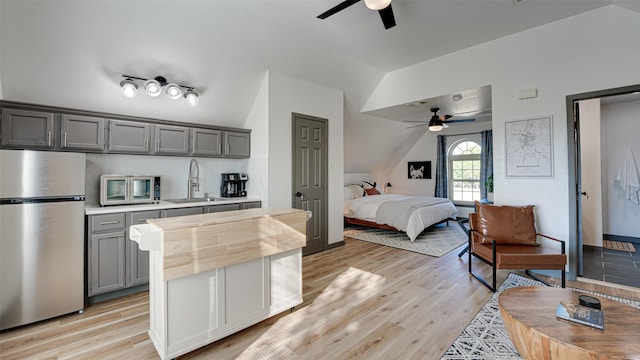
(234, 185)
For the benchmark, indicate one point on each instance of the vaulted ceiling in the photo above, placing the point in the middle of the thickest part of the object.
(73, 53)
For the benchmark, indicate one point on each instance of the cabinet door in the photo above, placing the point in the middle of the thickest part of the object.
(251, 205)
(82, 133)
(223, 207)
(182, 211)
(106, 262)
(172, 140)
(137, 271)
(129, 136)
(206, 142)
(26, 128)
(237, 144)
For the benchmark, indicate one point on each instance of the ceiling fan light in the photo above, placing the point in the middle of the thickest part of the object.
(128, 88)
(152, 87)
(192, 97)
(377, 4)
(435, 124)
(173, 91)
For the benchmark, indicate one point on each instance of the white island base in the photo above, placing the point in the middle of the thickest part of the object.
(193, 310)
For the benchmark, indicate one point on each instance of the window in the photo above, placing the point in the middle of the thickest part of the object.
(464, 172)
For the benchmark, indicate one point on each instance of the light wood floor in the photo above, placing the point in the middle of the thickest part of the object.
(361, 301)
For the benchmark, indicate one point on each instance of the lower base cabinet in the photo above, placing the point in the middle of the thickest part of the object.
(205, 307)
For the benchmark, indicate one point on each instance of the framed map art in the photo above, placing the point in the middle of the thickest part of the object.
(529, 147)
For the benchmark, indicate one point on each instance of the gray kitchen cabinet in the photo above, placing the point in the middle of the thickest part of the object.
(171, 140)
(26, 128)
(129, 136)
(106, 262)
(183, 211)
(82, 133)
(220, 208)
(137, 269)
(206, 142)
(250, 205)
(237, 144)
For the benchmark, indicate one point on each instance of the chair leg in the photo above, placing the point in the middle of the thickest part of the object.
(493, 266)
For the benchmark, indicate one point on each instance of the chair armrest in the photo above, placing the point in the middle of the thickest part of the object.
(562, 242)
(550, 238)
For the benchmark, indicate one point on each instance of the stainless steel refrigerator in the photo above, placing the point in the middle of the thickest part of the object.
(42, 197)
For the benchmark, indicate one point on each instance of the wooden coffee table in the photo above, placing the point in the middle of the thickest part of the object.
(529, 314)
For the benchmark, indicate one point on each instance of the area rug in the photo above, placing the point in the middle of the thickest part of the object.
(486, 336)
(434, 241)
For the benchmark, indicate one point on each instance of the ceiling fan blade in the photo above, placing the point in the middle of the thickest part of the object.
(343, 5)
(415, 126)
(460, 121)
(425, 121)
(387, 17)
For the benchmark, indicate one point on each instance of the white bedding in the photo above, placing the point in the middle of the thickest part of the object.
(365, 208)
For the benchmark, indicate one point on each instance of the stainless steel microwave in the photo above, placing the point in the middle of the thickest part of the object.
(129, 189)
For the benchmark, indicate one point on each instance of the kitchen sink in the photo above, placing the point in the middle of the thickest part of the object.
(192, 200)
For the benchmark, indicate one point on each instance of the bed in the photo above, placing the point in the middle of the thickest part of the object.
(409, 214)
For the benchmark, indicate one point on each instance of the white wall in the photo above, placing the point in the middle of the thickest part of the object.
(591, 178)
(567, 57)
(258, 168)
(173, 170)
(289, 95)
(620, 130)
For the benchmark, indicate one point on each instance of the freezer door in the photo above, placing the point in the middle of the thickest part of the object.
(33, 174)
(41, 261)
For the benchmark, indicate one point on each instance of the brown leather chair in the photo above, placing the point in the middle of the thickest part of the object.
(505, 238)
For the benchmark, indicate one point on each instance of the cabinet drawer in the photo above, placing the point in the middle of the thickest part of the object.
(223, 207)
(140, 217)
(107, 222)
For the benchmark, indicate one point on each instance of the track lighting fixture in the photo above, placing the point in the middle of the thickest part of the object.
(153, 87)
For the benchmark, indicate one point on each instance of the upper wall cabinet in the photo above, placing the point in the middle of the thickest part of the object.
(171, 140)
(26, 128)
(82, 133)
(206, 142)
(129, 136)
(31, 126)
(237, 144)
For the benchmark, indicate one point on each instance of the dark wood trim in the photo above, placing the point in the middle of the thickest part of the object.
(354, 221)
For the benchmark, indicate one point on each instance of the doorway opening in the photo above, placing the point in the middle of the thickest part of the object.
(604, 124)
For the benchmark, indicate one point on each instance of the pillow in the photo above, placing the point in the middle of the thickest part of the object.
(357, 191)
(372, 191)
(512, 225)
(348, 193)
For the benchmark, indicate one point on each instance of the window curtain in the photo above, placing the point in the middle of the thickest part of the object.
(486, 160)
(441, 168)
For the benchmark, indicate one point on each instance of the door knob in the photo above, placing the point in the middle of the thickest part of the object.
(299, 194)
(584, 193)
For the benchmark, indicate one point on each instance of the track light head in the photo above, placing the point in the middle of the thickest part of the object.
(173, 91)
(128, 87)
(152, 87)
(192, 97)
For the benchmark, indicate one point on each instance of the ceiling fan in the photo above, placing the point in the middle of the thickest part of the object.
(437, 123)
(382, 6)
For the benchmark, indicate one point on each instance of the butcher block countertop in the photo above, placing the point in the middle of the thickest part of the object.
(199, 243)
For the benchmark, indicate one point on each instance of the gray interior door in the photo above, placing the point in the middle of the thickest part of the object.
(310, 156)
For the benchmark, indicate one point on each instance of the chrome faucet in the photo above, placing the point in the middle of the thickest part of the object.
(193, 181)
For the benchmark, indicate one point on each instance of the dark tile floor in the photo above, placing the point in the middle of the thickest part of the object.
(615, 266)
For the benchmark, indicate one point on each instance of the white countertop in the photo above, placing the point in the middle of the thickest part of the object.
(160, 205)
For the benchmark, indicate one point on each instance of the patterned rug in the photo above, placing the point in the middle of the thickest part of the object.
(434, 241)
(486, 337)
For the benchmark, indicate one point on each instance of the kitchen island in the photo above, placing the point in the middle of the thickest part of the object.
(214, 274)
